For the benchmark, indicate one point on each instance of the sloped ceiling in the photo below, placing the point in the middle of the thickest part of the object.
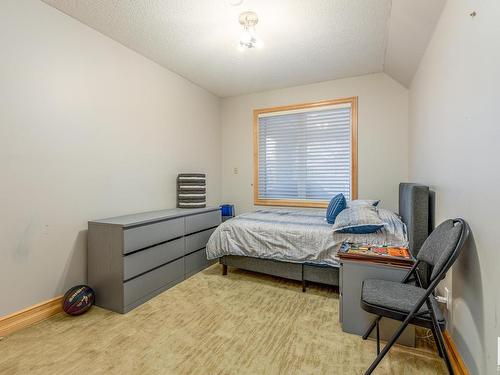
(304, 41)
(411, 26)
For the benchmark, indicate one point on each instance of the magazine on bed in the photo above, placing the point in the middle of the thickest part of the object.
(376, 253)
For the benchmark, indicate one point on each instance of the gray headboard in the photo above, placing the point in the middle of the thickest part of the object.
(415, 210)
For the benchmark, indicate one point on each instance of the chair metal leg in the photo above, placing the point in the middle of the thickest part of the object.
(445, 353)
(378, 337)
(371, 327)
(440, 340)
(436, 340)
(388, 346)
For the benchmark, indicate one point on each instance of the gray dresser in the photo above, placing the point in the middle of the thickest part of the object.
(132, 258)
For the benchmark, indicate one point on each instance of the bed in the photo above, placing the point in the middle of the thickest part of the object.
(300, 245)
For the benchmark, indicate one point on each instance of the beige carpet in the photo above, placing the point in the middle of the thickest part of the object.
(243, 323)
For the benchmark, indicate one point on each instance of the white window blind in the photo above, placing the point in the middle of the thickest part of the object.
(305, 154)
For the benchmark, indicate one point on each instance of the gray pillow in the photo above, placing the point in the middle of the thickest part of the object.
(393, 224)
(358, 220)
(363, 202)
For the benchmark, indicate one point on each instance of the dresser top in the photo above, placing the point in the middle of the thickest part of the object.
(152, 216)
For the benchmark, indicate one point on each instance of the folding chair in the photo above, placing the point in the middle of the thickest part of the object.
(413, 304)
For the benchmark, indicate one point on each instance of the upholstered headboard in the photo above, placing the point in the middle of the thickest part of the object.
(415, 210)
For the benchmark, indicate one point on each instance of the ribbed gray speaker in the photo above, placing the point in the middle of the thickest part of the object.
(191, 190)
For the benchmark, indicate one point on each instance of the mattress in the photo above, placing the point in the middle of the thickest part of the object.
(297, 236)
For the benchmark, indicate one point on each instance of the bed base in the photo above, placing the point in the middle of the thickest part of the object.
(302, 272)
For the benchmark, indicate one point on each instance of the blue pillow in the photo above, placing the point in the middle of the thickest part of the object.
(337, 204)
(361, 229)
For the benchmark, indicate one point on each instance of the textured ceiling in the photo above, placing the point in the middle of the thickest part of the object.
(305, 41)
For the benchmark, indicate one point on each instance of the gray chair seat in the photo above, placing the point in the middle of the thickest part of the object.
(400, 298)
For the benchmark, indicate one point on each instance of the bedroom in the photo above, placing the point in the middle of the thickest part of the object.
(105, 103)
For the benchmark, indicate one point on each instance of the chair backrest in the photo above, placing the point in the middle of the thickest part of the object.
(442, 247)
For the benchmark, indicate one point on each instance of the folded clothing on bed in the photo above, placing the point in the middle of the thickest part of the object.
(298, 236)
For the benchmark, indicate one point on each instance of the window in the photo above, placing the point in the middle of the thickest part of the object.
(304, 154)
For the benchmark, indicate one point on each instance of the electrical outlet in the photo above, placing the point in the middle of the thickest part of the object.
(498, 353)
(235, 170)
(447, 295)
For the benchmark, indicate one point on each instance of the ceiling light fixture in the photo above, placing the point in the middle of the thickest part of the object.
(249, 37)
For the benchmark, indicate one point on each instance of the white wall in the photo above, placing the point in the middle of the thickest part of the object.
(88, 129)
(454, 143)
(382, 138)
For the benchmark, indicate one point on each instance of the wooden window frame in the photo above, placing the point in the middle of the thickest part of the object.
(353, 101)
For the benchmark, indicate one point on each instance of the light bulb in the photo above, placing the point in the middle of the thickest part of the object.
(249, 39)
(245, 37)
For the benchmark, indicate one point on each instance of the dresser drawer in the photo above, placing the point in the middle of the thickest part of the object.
(145, 260)
(197, 241)
(196, 262)
(149, 282)
(152, 234)
(199, 222)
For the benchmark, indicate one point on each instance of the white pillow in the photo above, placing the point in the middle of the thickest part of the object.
(363, 202)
